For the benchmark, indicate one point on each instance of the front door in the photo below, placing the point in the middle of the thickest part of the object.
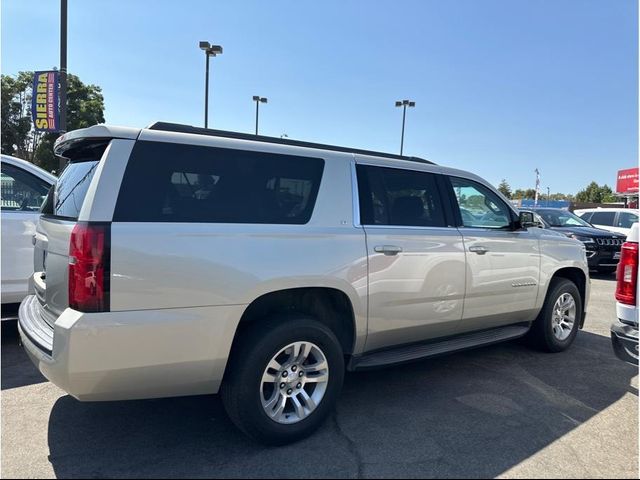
(416, 260)
(502, 263)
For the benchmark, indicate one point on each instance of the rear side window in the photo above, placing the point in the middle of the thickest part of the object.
(186, 183)
(603, 218)
(390, 196)
(65, 199)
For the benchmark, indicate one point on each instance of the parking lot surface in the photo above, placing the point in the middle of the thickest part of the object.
(503, 411)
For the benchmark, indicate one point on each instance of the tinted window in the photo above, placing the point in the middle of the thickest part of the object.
(479, 206)
(21, 190)
(185, 183)
(390, 196)
(66, 198)
(586, 216)
(627, 219)
(603, 218)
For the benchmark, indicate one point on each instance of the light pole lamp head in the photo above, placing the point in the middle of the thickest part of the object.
(405, 103)
(257, 98)
(214, 50)
(205, 45)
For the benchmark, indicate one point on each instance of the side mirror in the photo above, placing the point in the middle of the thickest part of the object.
(527, 220)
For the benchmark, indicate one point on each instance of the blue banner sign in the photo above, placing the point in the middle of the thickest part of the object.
(45, 110)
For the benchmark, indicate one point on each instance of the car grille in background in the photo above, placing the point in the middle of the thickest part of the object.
(610, 241)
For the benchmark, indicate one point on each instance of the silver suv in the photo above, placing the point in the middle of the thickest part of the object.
(174, 260)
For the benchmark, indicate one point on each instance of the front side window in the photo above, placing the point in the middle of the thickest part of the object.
(187, 183)
(603, 218)
(627, 219)
(396, 197)
(20, 190)
(479, 206)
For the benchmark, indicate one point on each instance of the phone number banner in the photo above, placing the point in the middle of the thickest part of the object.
(45, 110)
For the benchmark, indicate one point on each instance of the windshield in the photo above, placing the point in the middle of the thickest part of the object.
(562, 218)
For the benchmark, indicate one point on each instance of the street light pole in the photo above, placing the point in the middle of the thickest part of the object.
(404, 104)
(206, 93)
(63, 75)
(63, 65)
(209, 51)
(258, 99)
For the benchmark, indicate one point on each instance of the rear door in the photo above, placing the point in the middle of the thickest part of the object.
(502, 264)
(416, 258)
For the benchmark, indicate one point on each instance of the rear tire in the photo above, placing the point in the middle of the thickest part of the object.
(557, 325)
(267, 411)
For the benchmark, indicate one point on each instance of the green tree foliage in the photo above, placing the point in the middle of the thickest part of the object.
(595, 193)
(529, 193)
(85, 107)
(504, 188)
(16, 110)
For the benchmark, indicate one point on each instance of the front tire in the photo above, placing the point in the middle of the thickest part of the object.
(557, 325)
(283, 379)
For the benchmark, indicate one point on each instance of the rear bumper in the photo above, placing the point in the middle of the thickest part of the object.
(132, 355)
(624, 339)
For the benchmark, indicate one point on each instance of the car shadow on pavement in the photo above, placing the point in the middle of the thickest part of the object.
(611, 277)
(17, 370)
(474, 414)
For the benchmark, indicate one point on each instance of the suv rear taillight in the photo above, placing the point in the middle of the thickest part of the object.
(89, 267)
(627, 274)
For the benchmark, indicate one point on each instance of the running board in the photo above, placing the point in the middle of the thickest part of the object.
(404, 354)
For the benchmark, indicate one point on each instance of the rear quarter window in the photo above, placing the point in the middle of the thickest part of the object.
(167, 182)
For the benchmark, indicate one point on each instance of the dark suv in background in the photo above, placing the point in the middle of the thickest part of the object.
(603, 247)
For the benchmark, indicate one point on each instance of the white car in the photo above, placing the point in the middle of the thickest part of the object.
(617, 220)
(624, 332)
(23, 188)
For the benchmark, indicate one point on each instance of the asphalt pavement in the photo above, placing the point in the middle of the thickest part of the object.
(504, 411)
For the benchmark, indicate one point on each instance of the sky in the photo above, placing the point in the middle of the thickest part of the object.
(502, 87)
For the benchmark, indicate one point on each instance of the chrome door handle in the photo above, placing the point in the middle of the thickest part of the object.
(388, 249)
(480, 250)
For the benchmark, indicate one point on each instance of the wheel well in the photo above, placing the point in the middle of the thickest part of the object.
(577, 276)
(330, 306)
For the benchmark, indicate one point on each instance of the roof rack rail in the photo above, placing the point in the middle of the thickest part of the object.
(179, 128)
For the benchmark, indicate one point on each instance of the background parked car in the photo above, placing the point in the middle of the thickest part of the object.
(617, 220)
(23, 188)
(603, 247)
(624, 333)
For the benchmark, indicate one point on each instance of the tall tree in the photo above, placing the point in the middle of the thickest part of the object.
(594, 193)
(85, 107)
(529, 193)
(504, 188)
